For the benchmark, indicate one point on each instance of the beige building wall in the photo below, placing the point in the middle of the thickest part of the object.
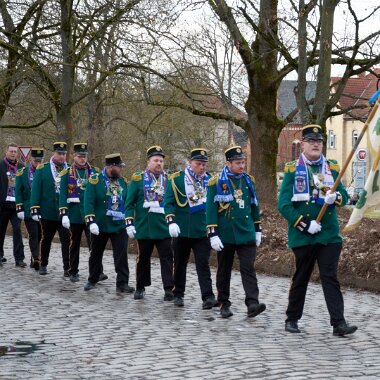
(343, 130)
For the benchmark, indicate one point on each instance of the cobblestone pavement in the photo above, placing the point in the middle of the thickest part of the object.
(101, 335)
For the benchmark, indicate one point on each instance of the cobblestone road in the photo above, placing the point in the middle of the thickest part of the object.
(100, 335)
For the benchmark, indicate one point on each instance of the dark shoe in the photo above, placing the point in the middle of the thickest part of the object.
(255, 309)
(178, 301)
(20, 263)
(225, 311)
(103, 277)
(344, 329)
(3, 259)
(43, 270)
(74, 277)
(169, 296)
(31, 264)
(36, 265)
(292, 326)
(125, 289)
(209, 303)
(66, 274)
(139, 294)
(89, 286)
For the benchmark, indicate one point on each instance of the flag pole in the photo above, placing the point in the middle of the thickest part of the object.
(349, 158)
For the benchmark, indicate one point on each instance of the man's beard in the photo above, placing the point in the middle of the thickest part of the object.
(115, 174)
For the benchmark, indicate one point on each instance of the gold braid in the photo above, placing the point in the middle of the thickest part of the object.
(176, 191)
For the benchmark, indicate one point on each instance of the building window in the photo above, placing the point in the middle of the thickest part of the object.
(355, 136)
(296, 149)
(332, 140)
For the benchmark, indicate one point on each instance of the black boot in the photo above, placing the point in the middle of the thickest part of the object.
(344, 329)
(225, 311)
(292, 326)
(255, 309)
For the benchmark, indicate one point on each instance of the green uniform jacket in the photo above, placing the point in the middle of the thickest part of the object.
(294, 211)
(43, 195)
(23, 191)
(149, 225)
(75, 210)
(95, 204)
(176, 205)
(234, 225)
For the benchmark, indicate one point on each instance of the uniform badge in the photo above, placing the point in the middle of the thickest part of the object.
(238, 150)
(315, 130)
(300, 184)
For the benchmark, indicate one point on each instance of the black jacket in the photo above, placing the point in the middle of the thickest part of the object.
(4, 184)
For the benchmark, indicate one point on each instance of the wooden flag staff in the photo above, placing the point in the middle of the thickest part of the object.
(349, 158)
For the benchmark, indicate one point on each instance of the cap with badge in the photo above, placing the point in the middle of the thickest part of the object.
(114, 159)
(234, 153)
(60, 146)
(155, 150)
(312, 132)
(37, 154)
(80, 149)
(199, 154)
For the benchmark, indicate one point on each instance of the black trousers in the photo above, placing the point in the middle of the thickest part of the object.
(49, 228)
(165, 253)
(77, 230)
(247, 256)
(201, 249)
(119, 243)
(10, 215)
(327, 257)
(35, 235)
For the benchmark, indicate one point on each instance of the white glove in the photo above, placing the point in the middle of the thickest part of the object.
(66, 222)
(330, 198)
(259, 236)
(21, 215)
(216, 243)
(94, 229)
(36, 218)
(314, 227)
(174, 230)
(131, 231)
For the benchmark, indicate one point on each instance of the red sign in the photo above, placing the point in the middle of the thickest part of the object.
(361, 154)
(25, 151)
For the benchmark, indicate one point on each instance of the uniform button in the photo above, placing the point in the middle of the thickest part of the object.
(246, 216)
(233, 217)
(329, 213)
(246, 187)
(307, 214)
(307, 203)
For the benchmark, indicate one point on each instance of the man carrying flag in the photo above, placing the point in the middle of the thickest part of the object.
(304, 191)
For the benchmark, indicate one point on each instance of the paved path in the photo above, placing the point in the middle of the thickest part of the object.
(100, 335)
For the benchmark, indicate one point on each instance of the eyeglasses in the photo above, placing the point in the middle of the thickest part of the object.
(314, 142)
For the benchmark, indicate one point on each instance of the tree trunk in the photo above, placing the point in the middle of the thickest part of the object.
(96, 135)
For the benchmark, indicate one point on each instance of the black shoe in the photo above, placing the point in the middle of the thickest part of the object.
(255, 309)
(125, 288)
(225, 311)
(178, 301)
(20, 263)
(209, 303)
(292, 326)
(344, 329)
(169, 296)
(43, 270)
(66, 274)
(3, 259)
(31, 265)
(139, 294)
(89, 286)
(36, 265)
(74, 277)
(103, 277)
